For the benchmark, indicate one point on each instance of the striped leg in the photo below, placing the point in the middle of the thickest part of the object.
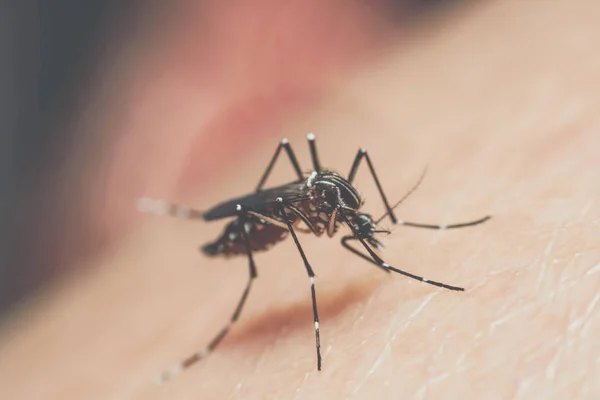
(311, 275)
(313, 152)
(375, 259)
(160, 207)
(288, 149)
(194, 358)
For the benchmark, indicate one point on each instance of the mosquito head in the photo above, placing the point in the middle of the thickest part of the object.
(365, 225)
(366, 228)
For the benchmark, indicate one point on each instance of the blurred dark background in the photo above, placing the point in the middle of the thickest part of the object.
(50, 53)
(49, 50)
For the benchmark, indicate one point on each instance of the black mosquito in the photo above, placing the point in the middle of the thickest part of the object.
(315, 203)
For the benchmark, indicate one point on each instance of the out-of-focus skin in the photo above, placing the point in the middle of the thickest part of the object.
(191, 86)
(499, 99)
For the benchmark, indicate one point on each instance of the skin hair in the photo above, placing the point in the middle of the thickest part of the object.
(500, 102)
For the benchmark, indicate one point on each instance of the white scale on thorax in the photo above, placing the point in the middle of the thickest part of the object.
(311, 179)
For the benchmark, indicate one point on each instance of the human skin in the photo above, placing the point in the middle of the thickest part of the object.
(500, 102)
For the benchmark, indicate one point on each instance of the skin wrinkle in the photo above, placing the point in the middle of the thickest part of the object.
(545, 256)
(460, 361)
(438, 378)
(579, 323)
(508, 316)
(237, 389)
(432, 380)
(298, 389)
(522, 387)
(537, 350)
(420, 393)
(414, 314)
(553, 365)
(586, 209)
(328, 349)
(386, 351)
(593, 270)
(566, 282)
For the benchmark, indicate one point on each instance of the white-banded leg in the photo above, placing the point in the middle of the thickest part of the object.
(161, 207)
(288, 149)
(375, 259)
(194, 358)
(313, 152)
(347, 246)
(311, 275)
(415, 224)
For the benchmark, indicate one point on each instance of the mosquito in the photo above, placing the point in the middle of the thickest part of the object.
(318, 202)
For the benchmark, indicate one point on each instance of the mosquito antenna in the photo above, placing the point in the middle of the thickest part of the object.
(405, 196)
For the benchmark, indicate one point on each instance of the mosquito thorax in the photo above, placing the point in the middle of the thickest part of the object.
(327, 188)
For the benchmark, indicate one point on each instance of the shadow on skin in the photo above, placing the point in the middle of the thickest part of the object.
(272, 322)
(280, 322)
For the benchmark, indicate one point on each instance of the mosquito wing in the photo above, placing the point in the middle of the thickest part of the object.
(261, 202)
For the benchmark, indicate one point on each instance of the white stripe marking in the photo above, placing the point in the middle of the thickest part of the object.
(202, 353)
(169, 373)
(593, 270)
(182, 212)
(152, 206)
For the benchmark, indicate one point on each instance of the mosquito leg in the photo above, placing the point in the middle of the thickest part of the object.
(311, 275)
(194, 358)
(313, 152)
(286, 145)
(362, 153)
(375, 259)
(347, 246)
(160, 207)
(300, 214)
(452, 226)
(419, 225)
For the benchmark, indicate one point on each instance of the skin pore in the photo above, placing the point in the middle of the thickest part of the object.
(498, 99)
